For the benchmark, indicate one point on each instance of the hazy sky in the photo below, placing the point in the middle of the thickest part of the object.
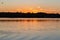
(30, 5)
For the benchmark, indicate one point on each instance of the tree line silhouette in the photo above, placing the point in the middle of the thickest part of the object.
(28, 15)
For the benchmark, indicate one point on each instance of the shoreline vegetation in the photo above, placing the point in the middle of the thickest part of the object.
(28, 15)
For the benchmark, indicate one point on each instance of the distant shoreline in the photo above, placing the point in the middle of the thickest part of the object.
(28, 15)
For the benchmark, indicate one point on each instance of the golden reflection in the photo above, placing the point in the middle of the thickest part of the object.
(29, 25)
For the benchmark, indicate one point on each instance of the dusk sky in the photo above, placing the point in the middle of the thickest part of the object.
(30, 6)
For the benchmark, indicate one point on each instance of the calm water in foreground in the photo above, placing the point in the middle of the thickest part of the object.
(30, 30)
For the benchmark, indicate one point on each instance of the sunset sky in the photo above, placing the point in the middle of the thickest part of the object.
(30, 6)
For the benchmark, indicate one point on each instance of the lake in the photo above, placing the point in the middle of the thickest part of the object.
(30, 30)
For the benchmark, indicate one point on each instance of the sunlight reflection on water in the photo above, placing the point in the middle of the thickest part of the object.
(30, 30)
(32, 25)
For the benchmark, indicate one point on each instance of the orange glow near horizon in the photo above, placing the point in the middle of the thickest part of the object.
(35, 10)
(30, 9)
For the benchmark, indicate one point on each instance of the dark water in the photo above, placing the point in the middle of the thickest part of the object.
(30, 30)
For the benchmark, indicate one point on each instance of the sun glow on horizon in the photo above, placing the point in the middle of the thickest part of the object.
(29, 9)
(35, 10)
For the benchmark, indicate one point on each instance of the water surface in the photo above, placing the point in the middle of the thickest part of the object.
(30, 30)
